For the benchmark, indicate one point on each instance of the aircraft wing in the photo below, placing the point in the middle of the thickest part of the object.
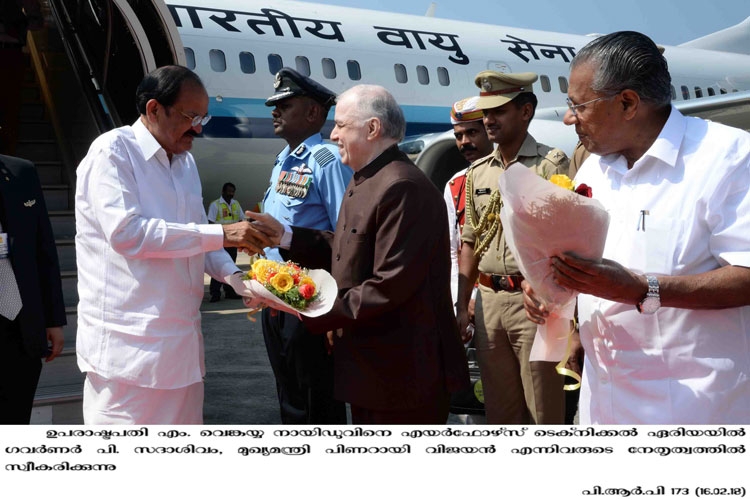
(730, 109)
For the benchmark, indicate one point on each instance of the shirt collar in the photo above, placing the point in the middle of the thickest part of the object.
(392, 153)
(226, 202)
(303, 149)
(666, 147)
(150, 147)
(528, 148)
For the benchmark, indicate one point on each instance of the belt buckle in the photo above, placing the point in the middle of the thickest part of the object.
(504, 283)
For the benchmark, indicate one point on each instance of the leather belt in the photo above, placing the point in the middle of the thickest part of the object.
(501, 282)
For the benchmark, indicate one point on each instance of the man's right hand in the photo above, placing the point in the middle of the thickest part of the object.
(462, 319)
(267, 225)
(535, 310)
(246, 236)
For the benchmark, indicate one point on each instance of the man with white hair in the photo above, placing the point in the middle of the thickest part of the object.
(397, 352)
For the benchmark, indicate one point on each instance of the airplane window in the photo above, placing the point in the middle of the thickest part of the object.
(247, 62)
(674, 93)
(685, 92)
(544, 80)
(698, 92)
(711, 91)
(735, 90)
(218, 60)
(400, 70)
(563, 84)
(303, 65)
(353, 68)
(190, 56)
(722, 90)
(443, 76)
(422, 75)
(275, 63)
(329, 68)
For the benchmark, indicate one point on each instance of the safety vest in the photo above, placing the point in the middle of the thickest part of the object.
(227, 214)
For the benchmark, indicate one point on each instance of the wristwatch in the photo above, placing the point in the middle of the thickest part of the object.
(651, 302)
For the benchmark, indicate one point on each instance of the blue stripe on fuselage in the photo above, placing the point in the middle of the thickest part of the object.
(237, 118)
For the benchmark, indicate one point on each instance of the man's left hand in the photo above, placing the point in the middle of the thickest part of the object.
(602, 278)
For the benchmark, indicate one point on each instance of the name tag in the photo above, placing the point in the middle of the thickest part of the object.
(3, 245)
(478, 192)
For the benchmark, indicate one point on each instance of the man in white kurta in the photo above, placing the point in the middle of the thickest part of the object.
(665, 315)
(677, 365)
(142, 246)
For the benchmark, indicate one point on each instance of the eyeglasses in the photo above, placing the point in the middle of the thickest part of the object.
(197, 119)
(572, 106)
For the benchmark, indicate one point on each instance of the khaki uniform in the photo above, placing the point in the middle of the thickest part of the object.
(515, 391)
(580, 154)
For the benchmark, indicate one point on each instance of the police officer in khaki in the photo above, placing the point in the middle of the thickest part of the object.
(516, 391)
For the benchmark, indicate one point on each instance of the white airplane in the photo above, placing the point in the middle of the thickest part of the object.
(427, 63)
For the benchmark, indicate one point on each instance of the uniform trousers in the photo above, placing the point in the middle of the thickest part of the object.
(215, 287)
(516, 391)
(108, 401)
(19, 375)
(303, 369)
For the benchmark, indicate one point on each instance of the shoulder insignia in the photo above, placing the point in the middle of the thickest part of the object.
(323, 156)
(556, 156)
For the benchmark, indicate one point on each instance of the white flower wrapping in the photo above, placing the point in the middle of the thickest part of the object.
(541, 220)
(260, 297)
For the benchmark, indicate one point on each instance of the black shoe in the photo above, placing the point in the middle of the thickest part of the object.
(215, 298)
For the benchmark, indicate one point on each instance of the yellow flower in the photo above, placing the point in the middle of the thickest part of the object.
(262, 268)
(563, 181)
(282, 282)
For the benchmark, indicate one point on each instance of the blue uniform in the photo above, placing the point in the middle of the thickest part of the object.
(306, 187)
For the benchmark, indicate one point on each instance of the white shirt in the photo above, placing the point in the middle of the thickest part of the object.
(677, 366)
(453, 232)
(141, 234)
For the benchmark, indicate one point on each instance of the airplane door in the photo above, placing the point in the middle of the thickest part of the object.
(113, 44)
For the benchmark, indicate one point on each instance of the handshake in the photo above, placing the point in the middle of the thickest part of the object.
(251, 236)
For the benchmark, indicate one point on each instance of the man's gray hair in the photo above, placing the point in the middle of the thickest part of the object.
(374, 101)
(627, 60)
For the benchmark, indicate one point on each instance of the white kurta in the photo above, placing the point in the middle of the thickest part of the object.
(677, 366)
(141, 234)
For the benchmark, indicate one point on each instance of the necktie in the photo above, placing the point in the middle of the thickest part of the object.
(10, 299)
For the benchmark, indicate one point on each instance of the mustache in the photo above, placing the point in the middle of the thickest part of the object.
(467, 147)
(193, 133)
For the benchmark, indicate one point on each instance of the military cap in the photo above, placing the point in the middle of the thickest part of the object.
(290, 83)
(500, 88)
(465, 111)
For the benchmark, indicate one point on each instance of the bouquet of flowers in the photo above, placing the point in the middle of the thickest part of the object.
(542, 219)
(288, 287)
(287, 281)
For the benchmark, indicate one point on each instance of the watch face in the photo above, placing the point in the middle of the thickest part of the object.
(650, 305)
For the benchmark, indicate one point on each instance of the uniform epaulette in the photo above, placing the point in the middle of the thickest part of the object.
(323, 156)
(480, 161)
(556, 156)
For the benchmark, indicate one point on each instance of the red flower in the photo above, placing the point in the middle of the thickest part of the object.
(584, 190)
(307, 291)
